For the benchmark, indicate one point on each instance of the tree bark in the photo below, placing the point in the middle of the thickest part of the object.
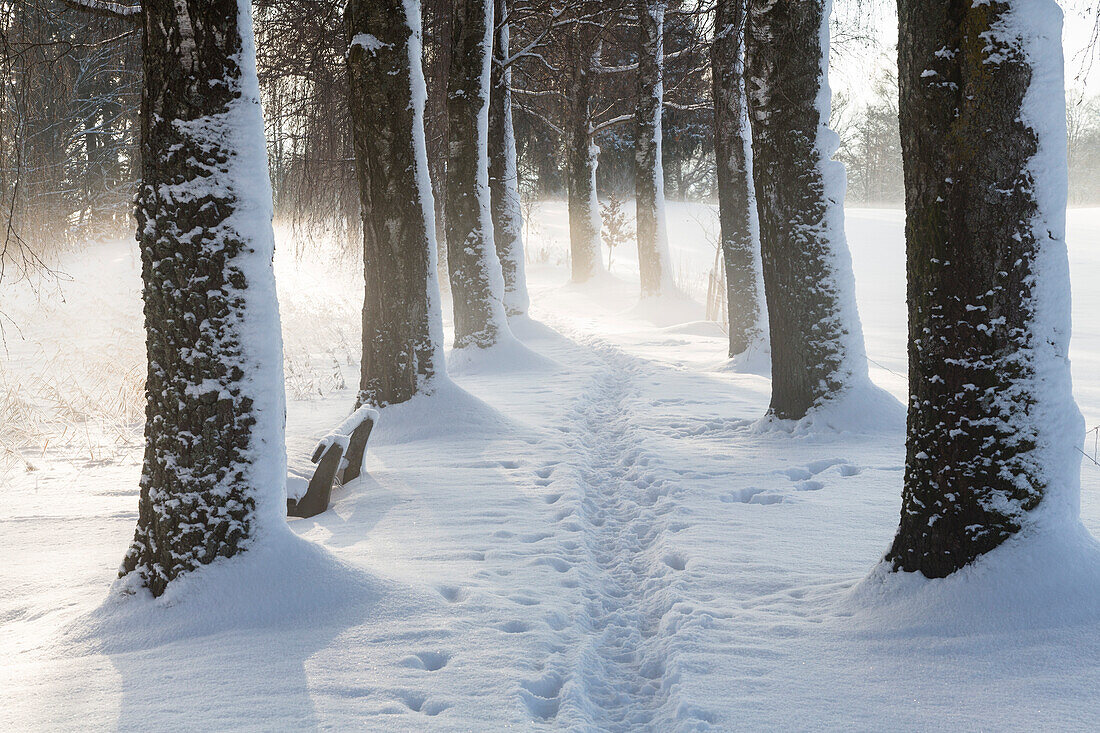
(477, 284)
(739, 231)
(214, 456)
(503, 173)
(815, 338)
(654, 262)
(402, 325)
(991, 417)
(582, 157)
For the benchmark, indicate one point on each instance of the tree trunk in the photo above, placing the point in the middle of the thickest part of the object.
(214, 458)
(436, 62)
(503, 173)
(740, 235)
(654, 262)
(992, 426)
(402, 325)
(582, 157)
(477, 284)
(816, 342)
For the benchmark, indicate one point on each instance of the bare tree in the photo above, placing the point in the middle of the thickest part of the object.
(993, 430)
(214, 467)
(582, 155)
(402, 324)
(654, 262)
(503, 169)
(477, 284)
(68, 129)
(740, 239)
(816, 342)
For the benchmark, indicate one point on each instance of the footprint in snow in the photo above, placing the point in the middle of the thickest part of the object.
(542, 696)
(751, 495)
(452, 593)
(428, 661)
(418, 702)
(675, 560)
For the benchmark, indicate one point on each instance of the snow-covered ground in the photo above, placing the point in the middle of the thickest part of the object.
(596, 540)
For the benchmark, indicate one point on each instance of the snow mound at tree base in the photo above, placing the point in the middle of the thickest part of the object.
(444, 411)
(1039, 579)
(860, 408)
(282, 583)
(507, 356)
(757, 359)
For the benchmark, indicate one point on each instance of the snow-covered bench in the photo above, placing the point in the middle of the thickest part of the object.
(339, 457)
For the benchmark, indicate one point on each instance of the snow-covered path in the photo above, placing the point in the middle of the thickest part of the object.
(620, 658)
(598, 539)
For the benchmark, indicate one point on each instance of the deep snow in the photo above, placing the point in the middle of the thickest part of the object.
(603, 539)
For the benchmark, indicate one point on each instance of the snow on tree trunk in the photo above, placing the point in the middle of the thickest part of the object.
(992, 429)
(739, 228)
(816, 340)
(582, 157)
(215, 465)
(654, 262)
(503, 173)
(402, 321)
(477, 284)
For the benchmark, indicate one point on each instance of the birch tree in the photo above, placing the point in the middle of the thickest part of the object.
(816, 341)
(993, 430)
(402, 323)
(739, 230)
(477, 284)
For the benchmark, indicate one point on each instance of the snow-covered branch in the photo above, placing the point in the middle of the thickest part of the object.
(106, 7)
(611, 123)
(686, 107)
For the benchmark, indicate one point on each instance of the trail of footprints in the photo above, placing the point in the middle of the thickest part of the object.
(605, 665)
(607, 661)
(801, 478)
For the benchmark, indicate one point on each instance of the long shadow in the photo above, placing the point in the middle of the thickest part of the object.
(228, 647)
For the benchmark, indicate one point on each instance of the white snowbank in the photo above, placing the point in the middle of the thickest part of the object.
(1040, 579)
(861, 407)
(446, 411)
(282, 584)
(507, 355)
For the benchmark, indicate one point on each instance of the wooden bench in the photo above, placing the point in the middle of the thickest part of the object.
(339, 458)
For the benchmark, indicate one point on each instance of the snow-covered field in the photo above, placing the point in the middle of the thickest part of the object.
(600, 539)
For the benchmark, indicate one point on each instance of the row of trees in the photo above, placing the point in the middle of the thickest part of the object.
(992, 426)
(68, 122)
